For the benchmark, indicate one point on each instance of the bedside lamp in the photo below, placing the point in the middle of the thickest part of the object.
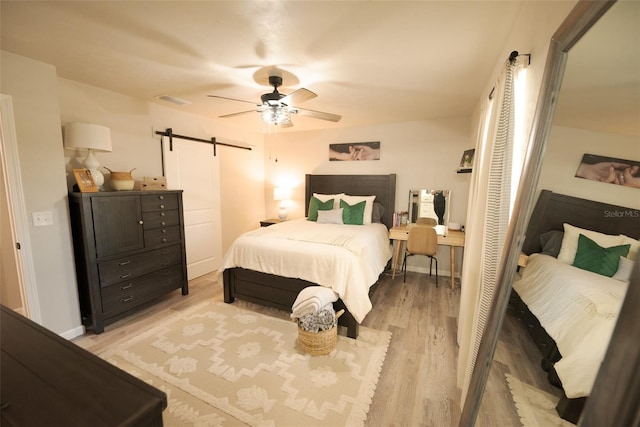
(282, 194)
(92, 138)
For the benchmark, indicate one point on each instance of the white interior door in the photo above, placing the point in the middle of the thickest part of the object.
(192, 167)
(17, 275)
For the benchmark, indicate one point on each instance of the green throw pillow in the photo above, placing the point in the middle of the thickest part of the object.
(593, 257)
(316, 205)
(353, 214)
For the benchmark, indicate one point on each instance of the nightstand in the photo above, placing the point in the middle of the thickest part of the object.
(268, 222)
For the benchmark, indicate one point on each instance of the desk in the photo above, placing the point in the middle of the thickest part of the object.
(450, 238)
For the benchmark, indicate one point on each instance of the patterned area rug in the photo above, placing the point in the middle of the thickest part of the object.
(536, 408)
(221, 365)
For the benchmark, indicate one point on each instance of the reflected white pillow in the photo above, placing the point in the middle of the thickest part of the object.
(624, 270)
(633, 249)
(324, 197)
(333, 216)
(368, 206)
(570, 241)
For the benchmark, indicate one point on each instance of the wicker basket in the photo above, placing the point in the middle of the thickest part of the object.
(319, 343)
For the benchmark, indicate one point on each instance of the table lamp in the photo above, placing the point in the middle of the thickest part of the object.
(282, 194)
(92, 138)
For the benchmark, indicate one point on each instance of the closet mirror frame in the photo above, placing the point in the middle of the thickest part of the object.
(581, 18)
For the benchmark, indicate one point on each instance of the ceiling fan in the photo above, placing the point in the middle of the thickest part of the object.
(277, 108)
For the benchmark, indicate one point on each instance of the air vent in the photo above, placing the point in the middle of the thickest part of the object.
(173, 99)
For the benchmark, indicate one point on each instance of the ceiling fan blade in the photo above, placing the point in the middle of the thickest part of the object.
(233, 99)
(298, 96)
(237, 114)
(318, 115)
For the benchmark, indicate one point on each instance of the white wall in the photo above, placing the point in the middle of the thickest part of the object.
(43, 103)
(422, 154)
(33, 88)
(564, 153)
(135, 146)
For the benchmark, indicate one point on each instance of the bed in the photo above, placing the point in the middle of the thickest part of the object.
(571, 312)
(261, 279)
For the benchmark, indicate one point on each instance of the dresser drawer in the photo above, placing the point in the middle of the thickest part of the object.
(161, 236)
(125, 295)
(159, 202)
(160, 219)
(125, 268)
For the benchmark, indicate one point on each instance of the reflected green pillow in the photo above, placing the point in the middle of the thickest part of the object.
(592, 257)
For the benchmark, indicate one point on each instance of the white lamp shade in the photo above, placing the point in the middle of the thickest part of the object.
(281, 193)
(87, 136)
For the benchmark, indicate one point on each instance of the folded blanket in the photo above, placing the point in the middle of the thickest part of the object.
(312, 299)
(321, 320)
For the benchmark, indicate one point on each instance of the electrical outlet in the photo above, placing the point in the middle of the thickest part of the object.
(42, 218)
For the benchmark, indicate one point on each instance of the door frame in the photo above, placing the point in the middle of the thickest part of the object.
(18, 217)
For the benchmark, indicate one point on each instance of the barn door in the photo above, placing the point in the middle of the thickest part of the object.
(192, 167)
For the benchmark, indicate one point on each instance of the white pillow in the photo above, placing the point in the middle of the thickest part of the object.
(569, 245)
(333, 216)
(625, 267)
(368, 206)
(324, 197)
(633, 249)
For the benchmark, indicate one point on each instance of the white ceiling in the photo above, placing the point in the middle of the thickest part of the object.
(601, 84)
(369, 61)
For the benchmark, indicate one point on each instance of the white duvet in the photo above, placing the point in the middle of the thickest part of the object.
(346, 258)
(579, 310)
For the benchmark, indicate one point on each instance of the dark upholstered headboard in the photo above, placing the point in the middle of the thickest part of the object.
(382, 186)
(554, 209)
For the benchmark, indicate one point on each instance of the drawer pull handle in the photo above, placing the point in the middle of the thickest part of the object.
(124, 263)
(161, 206)
(161, 197)
(164, 240)
(127, 299)
(163, 223)
(124, 276)
(141, 222)
(161, 213)
(125, 287)
(164, 231)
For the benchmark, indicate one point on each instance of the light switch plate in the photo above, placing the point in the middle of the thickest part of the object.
(42, 218)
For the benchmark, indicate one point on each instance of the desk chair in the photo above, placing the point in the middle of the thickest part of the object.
(422, 240)
(427, 221)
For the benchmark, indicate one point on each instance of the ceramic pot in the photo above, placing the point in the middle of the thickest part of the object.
(121, 180)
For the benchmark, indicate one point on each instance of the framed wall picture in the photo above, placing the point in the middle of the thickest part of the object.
(354, 151)
(611, 170)
(85, 181)
(466, 162)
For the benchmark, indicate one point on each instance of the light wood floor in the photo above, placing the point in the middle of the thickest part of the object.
(417, 386)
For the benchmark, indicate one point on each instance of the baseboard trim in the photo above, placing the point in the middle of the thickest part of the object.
(73, 333)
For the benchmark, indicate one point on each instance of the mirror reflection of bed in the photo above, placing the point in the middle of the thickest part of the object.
(585, 121)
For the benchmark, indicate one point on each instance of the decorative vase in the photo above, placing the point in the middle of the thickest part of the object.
(121, 180)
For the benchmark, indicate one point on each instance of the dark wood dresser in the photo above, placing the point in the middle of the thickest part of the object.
(49, 381)
(129, 250)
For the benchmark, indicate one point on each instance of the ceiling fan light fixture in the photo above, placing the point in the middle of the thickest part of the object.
(276, 115)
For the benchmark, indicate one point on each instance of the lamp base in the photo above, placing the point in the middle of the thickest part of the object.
(92, 164)
(282, 213)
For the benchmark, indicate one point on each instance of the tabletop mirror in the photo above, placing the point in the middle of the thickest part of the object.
(429, 204)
